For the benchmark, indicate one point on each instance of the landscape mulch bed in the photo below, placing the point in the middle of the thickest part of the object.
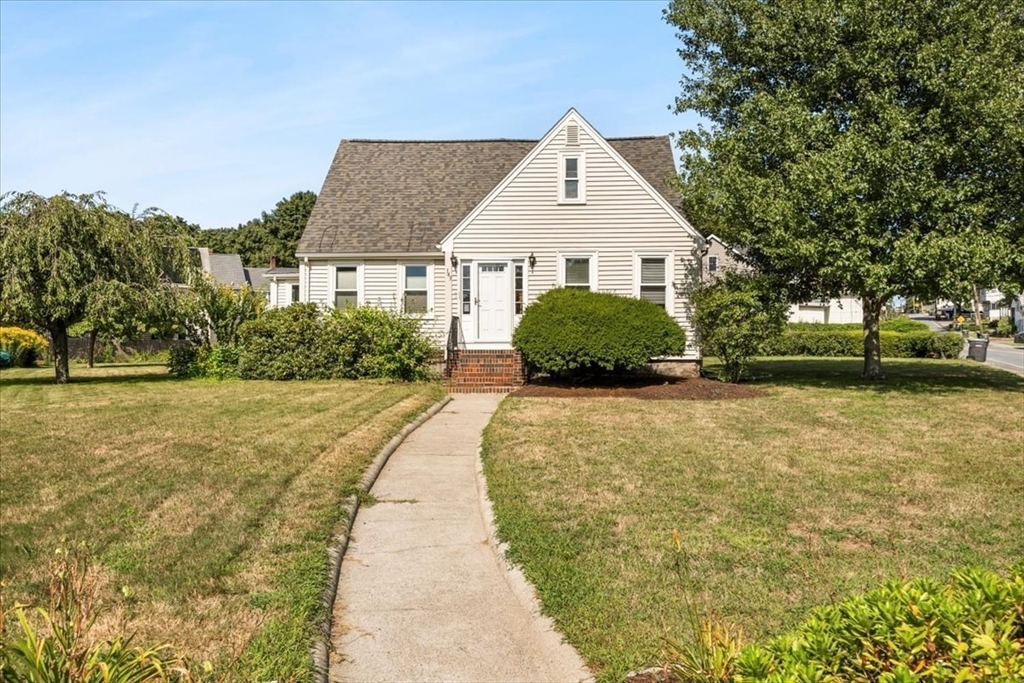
(647, 388)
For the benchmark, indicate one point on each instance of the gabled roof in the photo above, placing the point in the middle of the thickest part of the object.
(256, 277)
(384, 196)
(226, 269)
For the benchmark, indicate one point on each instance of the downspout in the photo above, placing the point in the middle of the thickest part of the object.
(305, 260)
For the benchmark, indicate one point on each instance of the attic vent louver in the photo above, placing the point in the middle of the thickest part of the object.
(572, 134)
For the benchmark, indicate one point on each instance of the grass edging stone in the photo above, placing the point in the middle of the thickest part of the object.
(320, 652)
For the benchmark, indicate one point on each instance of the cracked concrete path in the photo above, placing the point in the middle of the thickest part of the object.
(424, 593)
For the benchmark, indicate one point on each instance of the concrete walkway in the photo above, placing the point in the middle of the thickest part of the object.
(424, 594)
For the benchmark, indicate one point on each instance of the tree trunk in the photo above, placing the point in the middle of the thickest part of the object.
(59, 347)
(872, 340)
(92, 346)
(977, 310)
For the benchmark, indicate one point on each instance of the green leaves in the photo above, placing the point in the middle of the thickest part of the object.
(576, 332)
(272, 234)
(859, 147)
(737, 316)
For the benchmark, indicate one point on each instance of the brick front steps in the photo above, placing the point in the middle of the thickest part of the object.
(478, 371)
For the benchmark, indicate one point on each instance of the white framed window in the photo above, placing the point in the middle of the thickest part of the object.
(654, 280)
(346, 286)
(572, 178)
(294, 293)
(578, 271)
(415, 288)
(712, 264)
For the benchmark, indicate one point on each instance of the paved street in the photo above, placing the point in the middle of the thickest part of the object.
(1006, 356)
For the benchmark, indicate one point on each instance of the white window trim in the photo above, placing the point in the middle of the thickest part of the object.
(561, 257)
(582, 176)
(718, 265)
(670, 275)
(429, 315)
(333, 291)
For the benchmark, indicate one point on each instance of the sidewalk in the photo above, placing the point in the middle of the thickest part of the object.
(423, 594)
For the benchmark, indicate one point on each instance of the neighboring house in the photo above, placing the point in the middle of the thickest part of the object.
(467, 233)
(283, 286)
(993, 304)
(846, 309)
(227, 269)
(1017, 311)
(721, 257)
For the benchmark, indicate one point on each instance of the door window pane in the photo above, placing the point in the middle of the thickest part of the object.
(519, 288)
(295, 294)
(465, 288)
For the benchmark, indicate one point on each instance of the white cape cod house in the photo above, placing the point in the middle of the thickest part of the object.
(467, 233)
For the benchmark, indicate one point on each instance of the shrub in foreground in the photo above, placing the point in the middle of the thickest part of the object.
(970, 628)
(302, 342)
(576, 332)
(24, 346)
(736, 315)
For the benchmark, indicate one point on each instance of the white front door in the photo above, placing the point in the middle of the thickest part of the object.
(493, 314)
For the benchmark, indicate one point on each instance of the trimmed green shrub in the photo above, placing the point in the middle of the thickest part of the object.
(302, 342)
(219, 362)
(850, 343)
(899, 324)
(970, 628)
(902, 324)
(576, 332)
(1004, 327)
(285, 343)
(736, 315)
(374, 343)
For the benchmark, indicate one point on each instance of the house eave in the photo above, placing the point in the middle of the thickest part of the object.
(371, 255)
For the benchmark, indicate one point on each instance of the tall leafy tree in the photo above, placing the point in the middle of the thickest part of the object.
(274, 234)
(872, 147)
(61, 256)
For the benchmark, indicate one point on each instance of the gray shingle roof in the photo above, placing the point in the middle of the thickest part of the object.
(256, 277)
(279, 271)
(404, 196)
(226, 269)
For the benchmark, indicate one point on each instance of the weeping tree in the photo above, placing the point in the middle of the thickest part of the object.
(66, 256)
(867, 147)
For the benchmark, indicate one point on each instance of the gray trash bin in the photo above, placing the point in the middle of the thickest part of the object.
(977, 349)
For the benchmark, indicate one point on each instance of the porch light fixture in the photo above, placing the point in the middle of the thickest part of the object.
(533, 260)
(454, 261)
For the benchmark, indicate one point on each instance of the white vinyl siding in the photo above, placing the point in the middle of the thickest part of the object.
(379, 285)
(619, 221)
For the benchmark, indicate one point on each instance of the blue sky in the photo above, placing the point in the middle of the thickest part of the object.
(215, 111)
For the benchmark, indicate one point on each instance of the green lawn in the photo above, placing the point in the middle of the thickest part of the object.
(824, 487)
(208, 506)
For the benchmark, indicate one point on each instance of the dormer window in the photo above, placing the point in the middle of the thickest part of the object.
(572, 178)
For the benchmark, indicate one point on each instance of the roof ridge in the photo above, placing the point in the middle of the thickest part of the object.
(417, 141)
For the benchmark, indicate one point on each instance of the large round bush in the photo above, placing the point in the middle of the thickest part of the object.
(576, 332)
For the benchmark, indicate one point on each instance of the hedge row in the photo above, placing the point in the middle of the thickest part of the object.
(847, 342)
(303, 342)
(899, 324)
